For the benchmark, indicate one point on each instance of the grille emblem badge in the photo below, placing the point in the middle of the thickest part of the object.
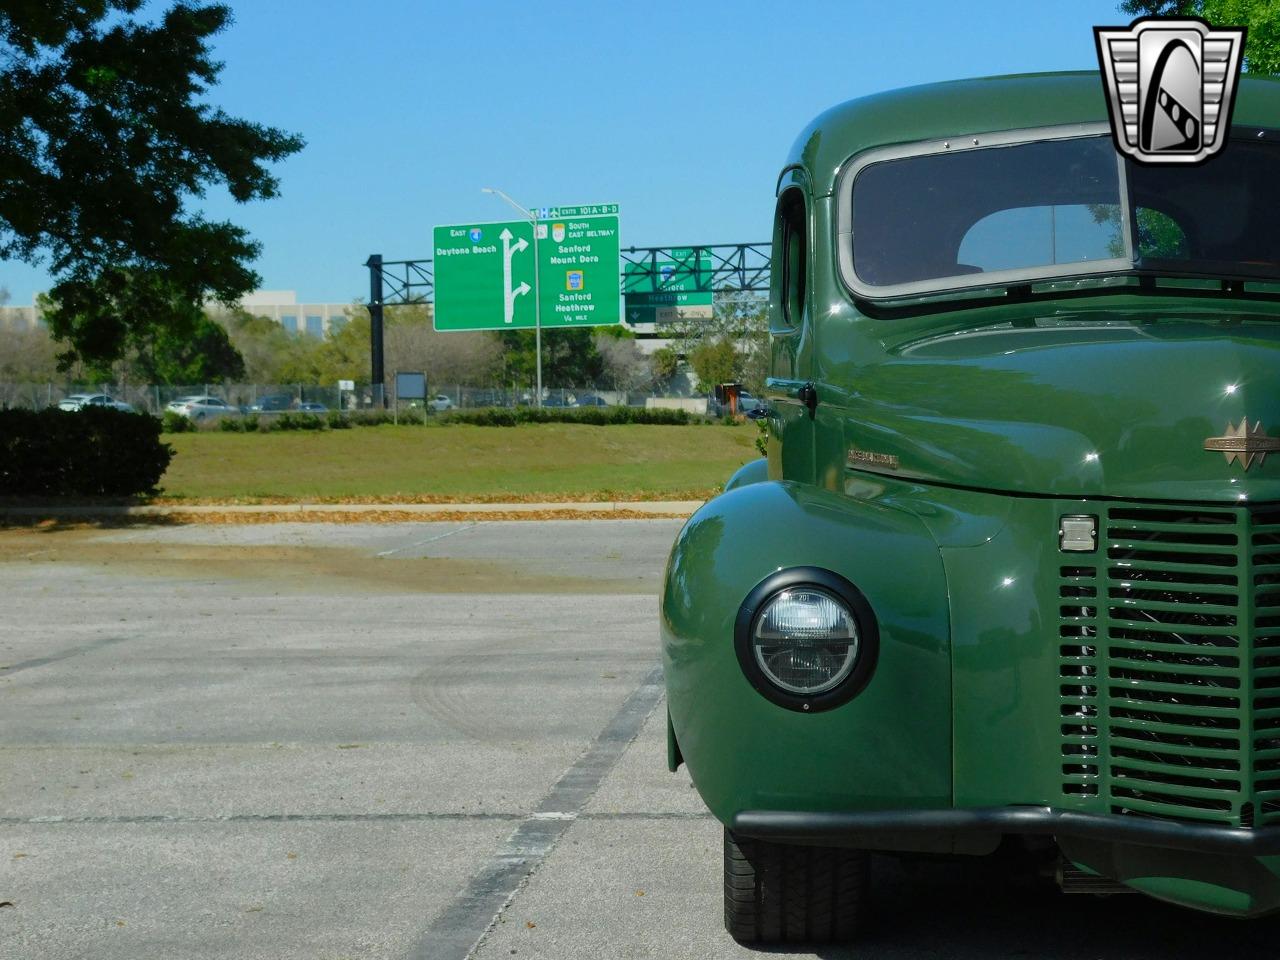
(1244, 443)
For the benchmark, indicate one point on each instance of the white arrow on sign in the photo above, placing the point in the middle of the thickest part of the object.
(508, 251)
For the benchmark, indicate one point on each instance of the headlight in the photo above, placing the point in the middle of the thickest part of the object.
(807, 639)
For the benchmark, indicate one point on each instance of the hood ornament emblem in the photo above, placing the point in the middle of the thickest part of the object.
(1244, 443)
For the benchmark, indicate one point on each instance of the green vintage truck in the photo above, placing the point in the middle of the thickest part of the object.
(1010, 573)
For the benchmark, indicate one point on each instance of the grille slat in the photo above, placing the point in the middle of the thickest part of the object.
(1122, 566)
(1213, 613)
(1164, 805)
(1119, 528)
(1130, 621)
(1156, 546)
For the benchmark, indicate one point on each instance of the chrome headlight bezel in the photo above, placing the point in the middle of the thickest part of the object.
(825, 582)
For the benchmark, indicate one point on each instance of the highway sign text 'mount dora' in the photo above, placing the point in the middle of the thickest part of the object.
(485, 275)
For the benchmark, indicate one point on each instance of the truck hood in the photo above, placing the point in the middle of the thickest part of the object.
(1087, 408)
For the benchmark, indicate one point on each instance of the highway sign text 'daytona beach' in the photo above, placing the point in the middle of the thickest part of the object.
(484, 272)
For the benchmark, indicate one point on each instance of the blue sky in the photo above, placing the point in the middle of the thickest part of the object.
(682, 112)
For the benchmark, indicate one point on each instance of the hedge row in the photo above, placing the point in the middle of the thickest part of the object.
(95, 452)
(487, 417)
(596, 416)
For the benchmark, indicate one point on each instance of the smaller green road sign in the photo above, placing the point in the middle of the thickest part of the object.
(664, 291)
(485, 272)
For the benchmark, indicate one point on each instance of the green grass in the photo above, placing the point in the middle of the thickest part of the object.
(559, 460)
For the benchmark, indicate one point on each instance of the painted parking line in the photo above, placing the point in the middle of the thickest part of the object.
(11, 669)
(419, 543)
(457, 931)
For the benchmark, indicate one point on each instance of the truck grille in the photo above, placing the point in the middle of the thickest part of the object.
(1169, 666)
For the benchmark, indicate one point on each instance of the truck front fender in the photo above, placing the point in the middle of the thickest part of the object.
(888, 747)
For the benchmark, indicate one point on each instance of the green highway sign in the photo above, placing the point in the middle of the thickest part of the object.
(485, 272)
(664, 291)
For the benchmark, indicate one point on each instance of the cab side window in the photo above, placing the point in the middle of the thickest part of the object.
(795, 255)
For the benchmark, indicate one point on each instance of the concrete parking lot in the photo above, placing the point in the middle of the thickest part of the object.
(423, 740)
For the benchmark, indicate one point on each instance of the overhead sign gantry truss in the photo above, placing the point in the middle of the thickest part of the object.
(717, 267)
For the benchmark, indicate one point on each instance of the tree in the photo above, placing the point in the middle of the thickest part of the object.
(411, 343)
(714, 360)
(29, 356)
(664, 363)
(270, 352)
(569, 357)
(1262, 17)
(203, 353)
(108, 143)
(625, 367)
(732, 346)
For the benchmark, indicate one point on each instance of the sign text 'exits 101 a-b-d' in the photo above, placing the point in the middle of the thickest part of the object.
(484, 272)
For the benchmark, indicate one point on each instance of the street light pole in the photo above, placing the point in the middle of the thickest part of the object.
(537, 294)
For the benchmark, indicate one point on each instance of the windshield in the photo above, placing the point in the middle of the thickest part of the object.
(1056, 208)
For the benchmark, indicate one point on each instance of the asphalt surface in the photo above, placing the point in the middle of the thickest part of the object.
(424, 740)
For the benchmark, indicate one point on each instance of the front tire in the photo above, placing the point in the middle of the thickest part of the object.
(785, 893)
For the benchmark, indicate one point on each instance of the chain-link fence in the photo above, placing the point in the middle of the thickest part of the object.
(273, 398)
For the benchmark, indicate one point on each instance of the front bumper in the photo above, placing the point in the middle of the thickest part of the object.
(979, 829)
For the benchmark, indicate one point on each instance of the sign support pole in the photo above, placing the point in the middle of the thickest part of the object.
(537, 306)
(377, 377)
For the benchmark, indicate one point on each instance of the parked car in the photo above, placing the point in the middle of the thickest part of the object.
(1007, 579)
(591, 400)
(440, 402)
(311, 407)
(78, 401)
(273, 403)
(200, 408)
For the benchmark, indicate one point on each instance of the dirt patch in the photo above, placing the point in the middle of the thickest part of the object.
(296, 569)
(90, 520)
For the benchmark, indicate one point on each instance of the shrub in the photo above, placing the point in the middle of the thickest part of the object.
(369, 418)
(94, 452)
(337, 421)
(176, 423)
(298, 421)
(231, 424)
(376, 417)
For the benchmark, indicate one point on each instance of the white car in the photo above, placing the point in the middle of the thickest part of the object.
(78, 401)
(199, 408)
(440, 402)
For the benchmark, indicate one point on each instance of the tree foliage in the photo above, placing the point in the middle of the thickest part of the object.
(569, 357)
(202, 354)
(625, 367)
(1262, 17)
(108, 143)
